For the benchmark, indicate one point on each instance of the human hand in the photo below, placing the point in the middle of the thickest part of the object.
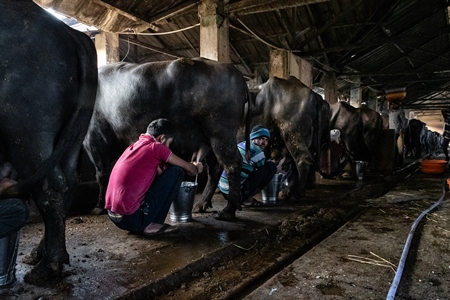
(279, 169)
(199, 166)
(6, 183)
(280, 165)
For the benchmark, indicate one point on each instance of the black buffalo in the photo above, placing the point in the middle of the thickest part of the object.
(298, 119)
(359, 127)
(204, 99)
(415, 135)
(372, 125)
(432, 141)
(48, 80)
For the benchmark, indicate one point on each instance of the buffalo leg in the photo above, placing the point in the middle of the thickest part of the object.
(228, 156)
(214, 172)
(53, 202)
(303, 163)
(102, 151)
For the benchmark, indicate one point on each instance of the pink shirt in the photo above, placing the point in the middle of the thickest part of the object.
(133, 174)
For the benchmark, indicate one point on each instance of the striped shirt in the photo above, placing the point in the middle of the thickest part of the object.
(446, 115)
(258, 159)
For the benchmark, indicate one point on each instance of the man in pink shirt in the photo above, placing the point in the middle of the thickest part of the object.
(145, 181)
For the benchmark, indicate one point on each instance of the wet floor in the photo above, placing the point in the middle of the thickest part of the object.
(108, 263)
(361, 259)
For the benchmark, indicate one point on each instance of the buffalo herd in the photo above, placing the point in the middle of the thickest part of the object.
(55, 101)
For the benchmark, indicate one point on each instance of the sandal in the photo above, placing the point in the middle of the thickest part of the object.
(256, 203)
(252, 203)
(165, 229)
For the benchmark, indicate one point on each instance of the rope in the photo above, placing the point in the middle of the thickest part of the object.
(258, 38)
(162, 33)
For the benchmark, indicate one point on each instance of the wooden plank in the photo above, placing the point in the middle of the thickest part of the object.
(246, 7)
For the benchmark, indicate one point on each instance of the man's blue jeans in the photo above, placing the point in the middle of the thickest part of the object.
(157, 201)
(13, 216)
(256, 180)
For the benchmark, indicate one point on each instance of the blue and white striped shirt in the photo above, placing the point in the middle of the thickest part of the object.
(257, 160)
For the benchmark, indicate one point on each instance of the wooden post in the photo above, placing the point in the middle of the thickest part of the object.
(107, 45)
(330, 88)
(214, 30)
(372, 101)
(284, 64)
(355, 93)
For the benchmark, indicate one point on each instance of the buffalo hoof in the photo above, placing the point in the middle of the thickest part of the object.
(226, 216)
(96, 211)
(31, 259)
(201, 206)
(43, 275)
(288, 196)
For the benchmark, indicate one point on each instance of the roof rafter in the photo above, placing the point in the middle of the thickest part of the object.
(247, 7)
(403, 38)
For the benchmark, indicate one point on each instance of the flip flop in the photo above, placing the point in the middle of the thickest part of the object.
(252, 203)
(256, 203)
(165, 229)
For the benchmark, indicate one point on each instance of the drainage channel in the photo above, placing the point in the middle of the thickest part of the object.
(242, 266)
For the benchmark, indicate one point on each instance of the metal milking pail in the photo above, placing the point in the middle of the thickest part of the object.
(269, 194)
(360, 168)
(181, 208)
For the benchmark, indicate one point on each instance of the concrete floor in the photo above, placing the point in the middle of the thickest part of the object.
(108, 263)
(359, 261)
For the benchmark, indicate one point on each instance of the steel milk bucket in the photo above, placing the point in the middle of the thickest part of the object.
(270, 193)
(181, 208)
(360, 168)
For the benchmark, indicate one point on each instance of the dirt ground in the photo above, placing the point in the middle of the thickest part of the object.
(281, 251)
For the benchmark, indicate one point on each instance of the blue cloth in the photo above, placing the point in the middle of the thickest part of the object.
(13, 216)
(156, 202)
(260, 132)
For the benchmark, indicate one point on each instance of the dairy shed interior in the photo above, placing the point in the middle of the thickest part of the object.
(356, 51)
(372, 48)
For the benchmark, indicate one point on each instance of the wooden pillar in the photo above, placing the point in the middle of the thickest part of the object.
(330, 88)
(356, 93)
(107, 45)
(372, 100)
(214, 30)
(284, 64)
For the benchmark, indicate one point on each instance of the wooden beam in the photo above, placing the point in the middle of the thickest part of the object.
(397, 39)
(247, 7)
(145, 25)
(375, 74)
(174, 11)
(187, 40)
(444, 100)
(152, 48)
(378, 15)
(349, 11)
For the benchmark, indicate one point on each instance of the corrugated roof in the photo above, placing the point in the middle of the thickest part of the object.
(386, 43)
